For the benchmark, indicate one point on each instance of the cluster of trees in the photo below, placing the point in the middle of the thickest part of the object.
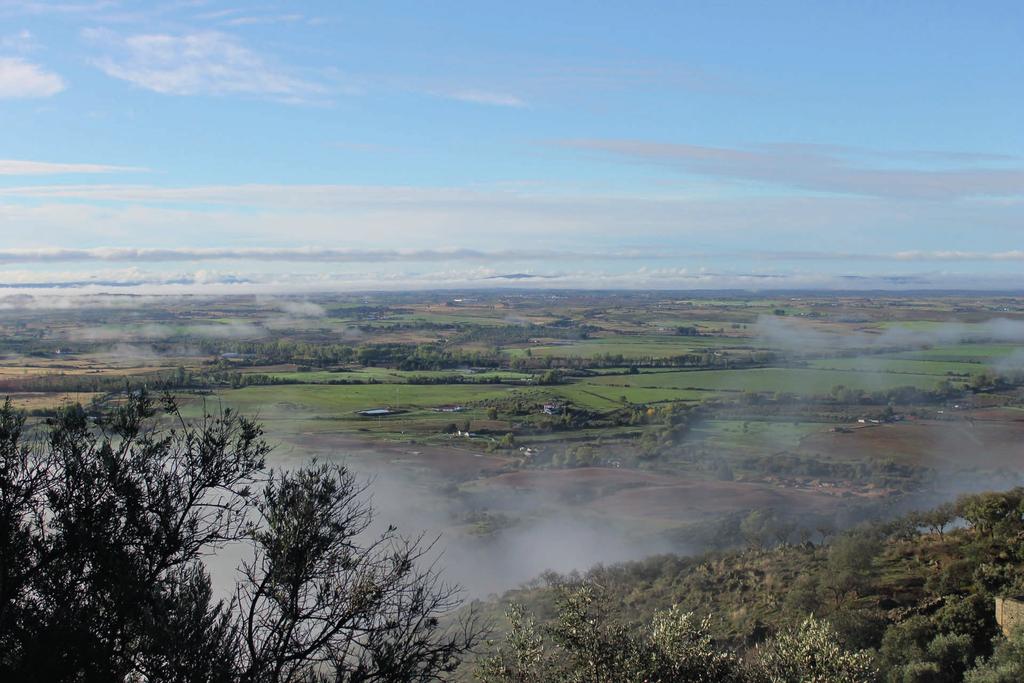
(671, 425)
(882, 472)
(319, 354)
(238, 380)
(81, 383)
(164, 380)
(908, 395)
(448, 379)
(896, 396)
(584, 644)
(397, 355)
(103, 524)
(515, 404)
(910, 600)
(576, 455)
(424, 357)
(706, 359)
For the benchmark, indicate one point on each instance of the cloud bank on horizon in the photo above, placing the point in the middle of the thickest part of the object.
(211, 147)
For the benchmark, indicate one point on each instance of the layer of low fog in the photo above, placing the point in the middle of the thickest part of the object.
(60, 302)
(297, 308)
(801, 336)
(273, 315)
(546, 537)
(542, 539)
(1010, 364)
(160, 332)
(545, 534)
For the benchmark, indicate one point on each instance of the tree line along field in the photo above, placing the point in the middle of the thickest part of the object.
(641, 346)
(799, 381)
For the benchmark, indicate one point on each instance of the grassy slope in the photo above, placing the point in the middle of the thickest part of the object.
(746, 591)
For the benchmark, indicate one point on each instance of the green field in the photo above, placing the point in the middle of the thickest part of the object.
(755, 435)
(961, 353)
(343, 401)
(389, 376)
(898, 365)
(801, 381)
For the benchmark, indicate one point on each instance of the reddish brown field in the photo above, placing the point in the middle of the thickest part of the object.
(47, 401)
(575, 485)
(662, 497)
(984, 439)
(694, 499)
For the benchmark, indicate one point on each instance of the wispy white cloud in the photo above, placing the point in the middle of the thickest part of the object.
(310, 196)
(1011, 255)
(202, 63)
(913, 255)
(19, 41)
(21, 167)
(494, 99)
(220, 13)
(21, 79)
(20, 289)
(31, 7)
(303, 254)
(317, 254)
(489, 217)
(253, 20)
(534, 78)
(830, 169)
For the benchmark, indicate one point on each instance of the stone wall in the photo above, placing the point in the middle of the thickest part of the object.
(1010, 613)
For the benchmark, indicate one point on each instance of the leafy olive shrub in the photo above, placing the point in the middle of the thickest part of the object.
(1006, 665)
(811, 653)
(583, 646)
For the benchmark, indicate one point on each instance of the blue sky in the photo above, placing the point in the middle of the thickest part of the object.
(225, 146)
